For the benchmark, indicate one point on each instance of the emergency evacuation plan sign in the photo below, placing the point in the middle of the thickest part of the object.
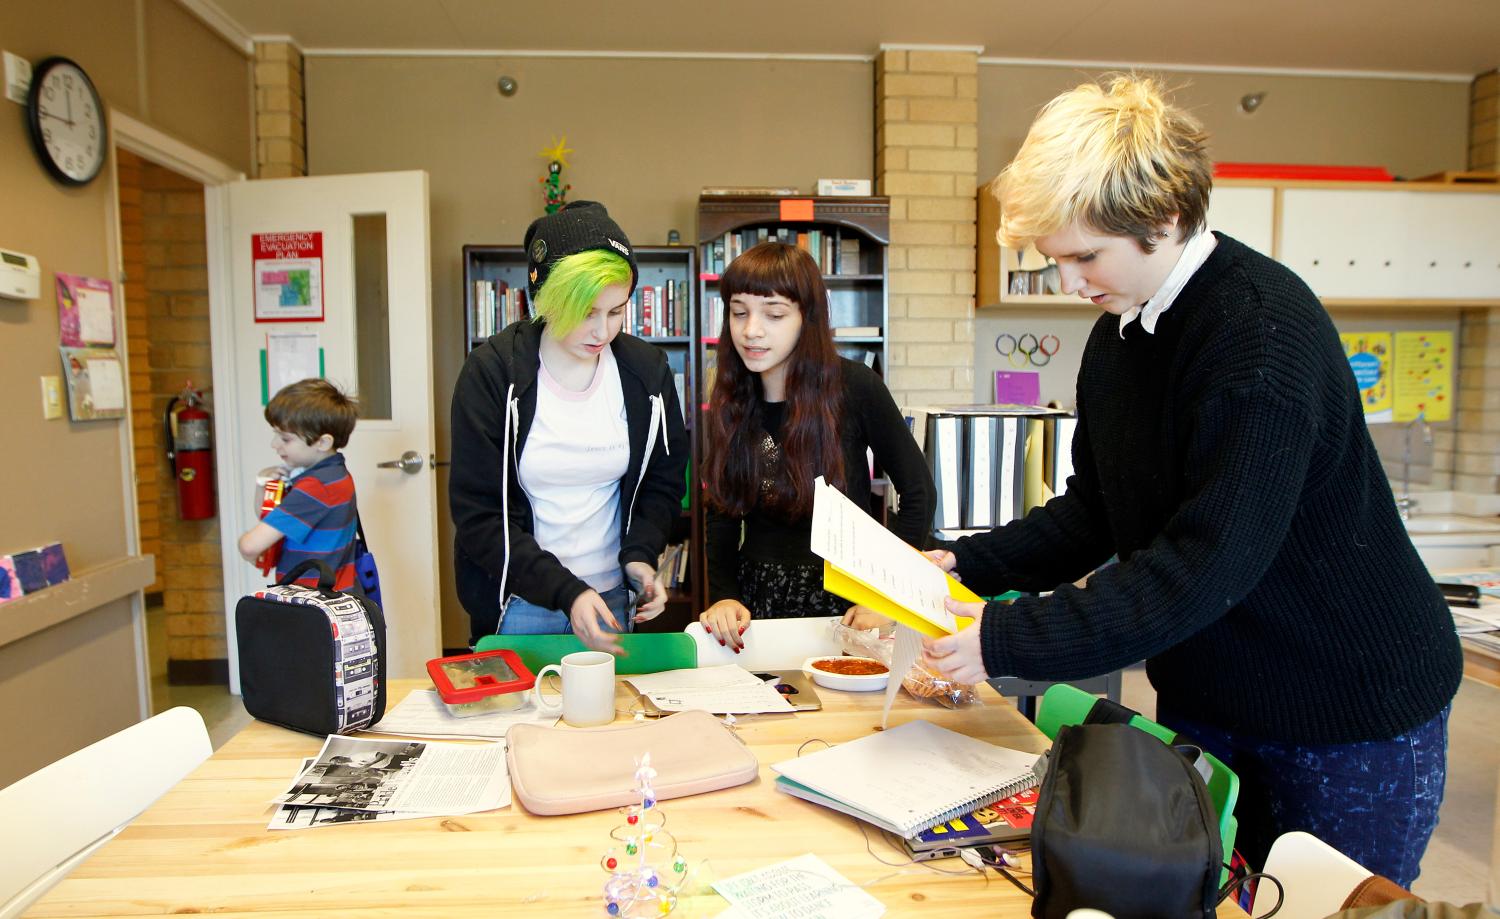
(288, 272)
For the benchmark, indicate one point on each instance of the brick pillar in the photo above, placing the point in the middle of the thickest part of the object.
(1476, 462)
(926, 160)
(1484, 122)
(145, 423)
(280, 129)
(176, 282)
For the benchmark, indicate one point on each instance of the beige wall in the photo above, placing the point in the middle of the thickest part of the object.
(1411, 127)
(73, 473)
(647, 135)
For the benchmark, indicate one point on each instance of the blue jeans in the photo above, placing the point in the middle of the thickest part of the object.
(1375, 801)
(522, 617)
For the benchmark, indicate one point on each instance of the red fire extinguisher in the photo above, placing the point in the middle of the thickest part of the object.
(190, 448)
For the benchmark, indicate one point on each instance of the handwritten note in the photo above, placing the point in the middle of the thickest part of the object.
(805, 886)
(726, 690)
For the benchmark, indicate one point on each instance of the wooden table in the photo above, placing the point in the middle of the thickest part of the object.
(204, 847)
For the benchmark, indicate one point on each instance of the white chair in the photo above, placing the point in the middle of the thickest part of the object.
(56, 817)
(1316, 878)
(770, 644)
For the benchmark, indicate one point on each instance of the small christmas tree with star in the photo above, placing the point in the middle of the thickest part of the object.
(637, 886)
(553, 189)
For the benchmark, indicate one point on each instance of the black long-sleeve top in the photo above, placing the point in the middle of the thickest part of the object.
(868, 419)
(1264, 573)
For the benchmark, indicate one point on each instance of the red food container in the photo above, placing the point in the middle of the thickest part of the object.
(476, 684)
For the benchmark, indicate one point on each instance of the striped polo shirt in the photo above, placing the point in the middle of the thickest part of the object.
(318, 516)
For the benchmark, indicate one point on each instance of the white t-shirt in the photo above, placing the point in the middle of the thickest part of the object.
(575, 455)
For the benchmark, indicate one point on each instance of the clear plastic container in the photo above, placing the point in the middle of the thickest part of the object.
(477, 684)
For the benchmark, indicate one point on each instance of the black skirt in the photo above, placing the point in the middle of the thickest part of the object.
(786, 590)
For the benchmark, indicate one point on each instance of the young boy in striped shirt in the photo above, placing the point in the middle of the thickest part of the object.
(317, 517)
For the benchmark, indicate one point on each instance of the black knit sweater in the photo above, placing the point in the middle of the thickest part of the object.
(1264, 573)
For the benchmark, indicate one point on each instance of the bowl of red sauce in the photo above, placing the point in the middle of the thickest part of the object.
(852, 674)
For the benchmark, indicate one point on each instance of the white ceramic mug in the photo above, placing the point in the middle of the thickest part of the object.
(588, 688)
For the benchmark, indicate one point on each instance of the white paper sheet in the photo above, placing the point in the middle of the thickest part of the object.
(723, 690)
(858, 545)
(908, 648)
(291, 356)
(806, 887)
(291, 817)
(96, 316)
(106, 383)
(397, 775)
(423, 714)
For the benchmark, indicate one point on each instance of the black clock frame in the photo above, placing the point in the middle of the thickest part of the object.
(34, 120)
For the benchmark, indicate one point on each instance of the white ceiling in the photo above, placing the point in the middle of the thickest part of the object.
(1439, 37)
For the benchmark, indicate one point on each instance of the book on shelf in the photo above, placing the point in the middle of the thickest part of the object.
(908, 778)
(835, 253)
(859, 188)
(495, 305)
(856, 331)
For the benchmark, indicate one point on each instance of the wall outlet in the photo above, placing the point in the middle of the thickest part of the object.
(17, 78)
(52, 396)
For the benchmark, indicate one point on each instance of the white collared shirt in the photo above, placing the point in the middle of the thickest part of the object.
(1194, 253)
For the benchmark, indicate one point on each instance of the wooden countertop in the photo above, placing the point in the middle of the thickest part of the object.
(204, 847)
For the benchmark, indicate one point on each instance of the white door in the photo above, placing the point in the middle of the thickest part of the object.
(376, 341)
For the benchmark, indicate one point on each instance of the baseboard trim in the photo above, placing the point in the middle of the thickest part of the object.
(211, 672)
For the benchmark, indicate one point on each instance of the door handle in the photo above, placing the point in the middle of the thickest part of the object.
(409, 463)
(434, 462)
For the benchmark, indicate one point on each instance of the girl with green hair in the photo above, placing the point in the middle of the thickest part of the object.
(568, 449)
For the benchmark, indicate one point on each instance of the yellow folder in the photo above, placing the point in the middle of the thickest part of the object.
(837, 581)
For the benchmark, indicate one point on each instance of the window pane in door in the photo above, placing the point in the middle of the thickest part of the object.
(372, 327)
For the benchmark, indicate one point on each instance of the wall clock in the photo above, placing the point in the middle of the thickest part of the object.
(67, 121)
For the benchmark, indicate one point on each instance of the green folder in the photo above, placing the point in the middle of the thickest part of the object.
(648, 652)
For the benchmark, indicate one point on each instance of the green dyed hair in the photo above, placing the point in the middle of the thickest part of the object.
(572, 286)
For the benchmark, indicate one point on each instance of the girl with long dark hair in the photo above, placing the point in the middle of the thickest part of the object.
(785, 409)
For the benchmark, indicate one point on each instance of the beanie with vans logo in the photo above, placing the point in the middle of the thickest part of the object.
(578, 227)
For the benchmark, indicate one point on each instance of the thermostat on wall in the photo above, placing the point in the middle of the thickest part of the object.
(20, 276)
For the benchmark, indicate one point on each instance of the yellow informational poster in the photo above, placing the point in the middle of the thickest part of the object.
(1423, 381)
(1369, 356)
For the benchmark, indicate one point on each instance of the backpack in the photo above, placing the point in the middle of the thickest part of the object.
(365, 573)
(1124, 824)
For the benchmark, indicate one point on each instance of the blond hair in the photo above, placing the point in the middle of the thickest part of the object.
(1117, 159)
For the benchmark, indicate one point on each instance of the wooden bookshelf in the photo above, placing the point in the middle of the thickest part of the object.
(856, 278)
(661, 268)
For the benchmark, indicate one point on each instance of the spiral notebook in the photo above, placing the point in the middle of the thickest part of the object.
(908, 778)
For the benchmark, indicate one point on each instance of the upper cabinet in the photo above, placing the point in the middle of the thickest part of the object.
(1386, 244)
(1402, 245)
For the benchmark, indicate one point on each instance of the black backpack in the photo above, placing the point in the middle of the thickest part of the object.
(1124, 824)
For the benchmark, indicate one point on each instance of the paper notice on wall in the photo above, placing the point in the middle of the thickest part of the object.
(96, 383)
(288, 273)
(1369, 355)
(291, 356)
(1423, 378)
(85, 311)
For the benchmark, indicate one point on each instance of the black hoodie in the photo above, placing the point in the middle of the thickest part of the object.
(495, 400)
